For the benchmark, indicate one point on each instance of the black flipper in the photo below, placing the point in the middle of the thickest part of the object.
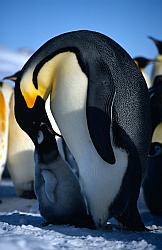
(101, 94)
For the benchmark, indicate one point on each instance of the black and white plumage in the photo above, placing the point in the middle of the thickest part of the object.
(142, 63)
(157, 65)
(156, 108)
(152, 184)
(100, 102)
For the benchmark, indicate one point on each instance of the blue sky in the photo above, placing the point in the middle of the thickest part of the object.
(30, 23)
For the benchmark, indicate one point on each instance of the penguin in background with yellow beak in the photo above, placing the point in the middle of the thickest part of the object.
(152, 184)
(20, 153)
(5, 97)
(157, 65)
(100, 102)
(142, 63)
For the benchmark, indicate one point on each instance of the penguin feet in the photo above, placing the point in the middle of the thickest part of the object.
(81, 222)
(45, 224)
(26, 191)
(28, 194)
(85, 222)
(131, 220)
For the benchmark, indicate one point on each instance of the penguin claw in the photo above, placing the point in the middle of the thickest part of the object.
(45, 224)
(28, 195)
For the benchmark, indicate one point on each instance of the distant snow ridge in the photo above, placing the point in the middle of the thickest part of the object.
(12, 61)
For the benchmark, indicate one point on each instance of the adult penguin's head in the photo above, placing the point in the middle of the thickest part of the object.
(29, 119)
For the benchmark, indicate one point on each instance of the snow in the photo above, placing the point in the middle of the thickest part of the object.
(22, 227)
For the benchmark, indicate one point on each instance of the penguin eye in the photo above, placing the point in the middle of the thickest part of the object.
(40, 137)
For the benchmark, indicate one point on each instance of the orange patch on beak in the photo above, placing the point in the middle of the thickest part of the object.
(30, 99)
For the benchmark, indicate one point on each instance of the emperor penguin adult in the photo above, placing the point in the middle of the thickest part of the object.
(20, 153)
(157, 65)
(5, 96)
(20, 158)
(155, 93)
(142, 63)
(100, 102)
(152, 184)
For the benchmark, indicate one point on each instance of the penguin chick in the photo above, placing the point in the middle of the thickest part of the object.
(56, 187)
(152, 184)
(157, 65)
(142, 62)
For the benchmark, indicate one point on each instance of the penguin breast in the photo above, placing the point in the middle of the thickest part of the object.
(100, 181)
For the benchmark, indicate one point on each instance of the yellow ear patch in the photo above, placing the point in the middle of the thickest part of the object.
(157, 135)
(29, 91)
(30, 97)
(46, 78)
(2, 114)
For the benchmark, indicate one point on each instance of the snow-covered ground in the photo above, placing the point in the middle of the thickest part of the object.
(21, 227)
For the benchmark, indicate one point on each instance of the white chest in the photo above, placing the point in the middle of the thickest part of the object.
(100, 181)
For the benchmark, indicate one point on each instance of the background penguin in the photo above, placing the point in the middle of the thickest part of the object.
(20, 156)
(152, 184)
(5, 95)
(156, 108)
(157, 65)
(101, 105)
(142, 62)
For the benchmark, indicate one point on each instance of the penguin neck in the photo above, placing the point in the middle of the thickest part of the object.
(157, 68)
(46, 78)
(146, 77)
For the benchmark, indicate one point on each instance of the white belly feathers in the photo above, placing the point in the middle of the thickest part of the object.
(69, 109)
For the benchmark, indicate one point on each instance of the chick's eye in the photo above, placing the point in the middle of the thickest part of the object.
(40, 137)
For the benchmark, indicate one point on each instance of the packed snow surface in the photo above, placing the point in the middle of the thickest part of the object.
(22, 227)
